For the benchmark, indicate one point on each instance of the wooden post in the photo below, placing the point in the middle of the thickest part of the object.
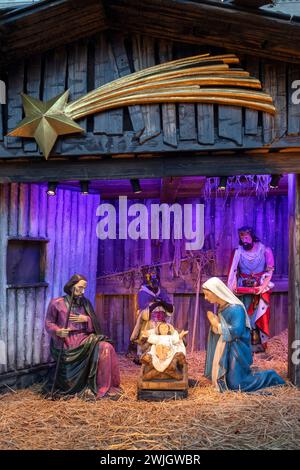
(196, 312)
(4, 198)
(294, 278)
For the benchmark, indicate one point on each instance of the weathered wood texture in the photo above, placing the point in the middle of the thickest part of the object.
(118, 312)
(61, 21)
(48, 26)
(117, 317)
(85, 65)
(109, 122)
(145, 167)
(1, 122)
(4, 198)
(293, 97)
(168, 110)
(14, 102)
(274, 80)
(69, 222)
(33, 72)
(143, 56)
(294, 278)
(223, 216)
(116, 299)
(209, 23)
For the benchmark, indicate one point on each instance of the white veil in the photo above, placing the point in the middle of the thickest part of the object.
(215, 285)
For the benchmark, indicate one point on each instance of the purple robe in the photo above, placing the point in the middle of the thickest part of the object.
(108, 375)
(145, 298)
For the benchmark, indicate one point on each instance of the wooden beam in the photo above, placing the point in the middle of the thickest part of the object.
(48, 24)
(51, 23)
(91, 145)
(184, 164)
(220, 25)
(294, 279)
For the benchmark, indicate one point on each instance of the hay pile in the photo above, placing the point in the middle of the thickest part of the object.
(206, 420)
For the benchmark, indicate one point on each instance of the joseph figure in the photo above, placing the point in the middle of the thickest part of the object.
(89, 362)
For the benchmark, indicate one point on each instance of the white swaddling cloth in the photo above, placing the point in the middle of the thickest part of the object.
(164, 348)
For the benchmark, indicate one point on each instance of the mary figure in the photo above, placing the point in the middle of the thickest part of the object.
(229, 356)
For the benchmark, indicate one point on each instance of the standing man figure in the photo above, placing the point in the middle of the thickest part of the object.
(251, 269)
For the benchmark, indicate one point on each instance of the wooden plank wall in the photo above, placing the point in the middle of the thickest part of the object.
(117, 313)
(69, 222)
(223, 216)
(84, 65)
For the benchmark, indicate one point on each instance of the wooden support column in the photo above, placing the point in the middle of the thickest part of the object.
(294, 279)
(4, 205)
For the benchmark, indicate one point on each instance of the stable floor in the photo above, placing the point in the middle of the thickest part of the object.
(206, 420)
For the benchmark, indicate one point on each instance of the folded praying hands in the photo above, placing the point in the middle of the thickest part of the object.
(213, 319)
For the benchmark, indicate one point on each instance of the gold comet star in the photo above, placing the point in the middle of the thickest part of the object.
(199, 79)
(45, 121)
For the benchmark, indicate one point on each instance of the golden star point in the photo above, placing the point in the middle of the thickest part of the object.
(45, 121)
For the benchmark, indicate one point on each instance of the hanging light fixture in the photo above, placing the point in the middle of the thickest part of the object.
(274, 183)
(84, 187)
(52, 186)
(136, 187)
(222, 183)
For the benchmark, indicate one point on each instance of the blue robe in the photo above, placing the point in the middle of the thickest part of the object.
(234, 366)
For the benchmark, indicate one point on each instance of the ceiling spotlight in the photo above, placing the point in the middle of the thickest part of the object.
(84, 187)
(136, 187)
(274, 183)
(222, 183)
(52, 186)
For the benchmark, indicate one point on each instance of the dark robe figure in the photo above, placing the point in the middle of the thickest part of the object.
(89, 361)
(154, 307)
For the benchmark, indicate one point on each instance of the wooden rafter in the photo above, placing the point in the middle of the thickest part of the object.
(46, 25)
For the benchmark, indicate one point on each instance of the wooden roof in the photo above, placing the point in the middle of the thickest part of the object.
(233, 25)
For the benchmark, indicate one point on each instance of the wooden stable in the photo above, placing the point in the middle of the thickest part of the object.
(57, 45)
(116, 296)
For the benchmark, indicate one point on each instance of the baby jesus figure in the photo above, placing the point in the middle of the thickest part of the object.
(166, 357)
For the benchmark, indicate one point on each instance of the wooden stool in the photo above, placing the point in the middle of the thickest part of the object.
(162, 389)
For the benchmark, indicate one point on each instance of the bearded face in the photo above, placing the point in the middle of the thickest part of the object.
(247, 241)
(79, 288)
